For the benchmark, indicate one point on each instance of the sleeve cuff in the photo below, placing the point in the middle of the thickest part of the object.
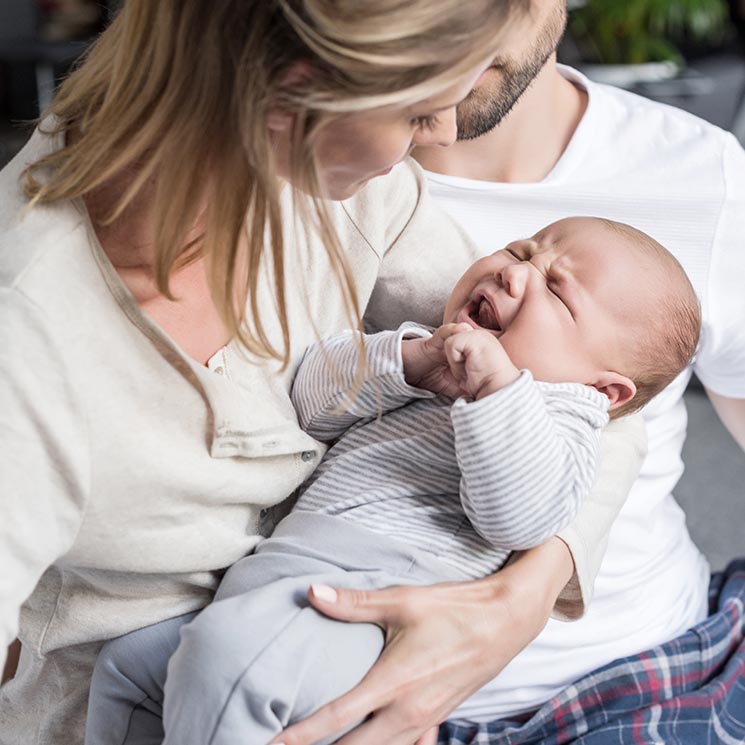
(576, 594)
(385, 361)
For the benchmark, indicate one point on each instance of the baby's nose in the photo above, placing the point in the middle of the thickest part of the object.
(513, 278)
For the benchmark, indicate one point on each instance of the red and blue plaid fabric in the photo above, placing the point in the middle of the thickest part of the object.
(689, 691)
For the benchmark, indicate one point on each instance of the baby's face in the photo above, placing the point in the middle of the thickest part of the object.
(561, 302)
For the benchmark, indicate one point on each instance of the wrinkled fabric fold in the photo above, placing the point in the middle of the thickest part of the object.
(688, 690)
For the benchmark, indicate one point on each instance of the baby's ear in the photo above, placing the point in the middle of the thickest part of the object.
(617, 387)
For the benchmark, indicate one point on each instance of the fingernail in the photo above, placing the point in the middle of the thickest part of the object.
(325, 593)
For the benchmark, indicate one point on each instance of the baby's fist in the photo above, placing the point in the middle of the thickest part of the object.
(479, 362)
(425, 364)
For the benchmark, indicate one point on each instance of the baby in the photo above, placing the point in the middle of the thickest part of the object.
(541, 342)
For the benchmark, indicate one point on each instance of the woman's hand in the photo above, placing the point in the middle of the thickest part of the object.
(443, 643)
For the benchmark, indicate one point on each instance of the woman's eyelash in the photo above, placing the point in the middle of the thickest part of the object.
(426, 121)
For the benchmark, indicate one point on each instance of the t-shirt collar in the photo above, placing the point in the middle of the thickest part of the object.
(572, 155)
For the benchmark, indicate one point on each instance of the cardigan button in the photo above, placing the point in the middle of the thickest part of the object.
(308, 455)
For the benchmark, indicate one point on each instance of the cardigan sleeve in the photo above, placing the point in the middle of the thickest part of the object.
(623, 447)
(43, 468)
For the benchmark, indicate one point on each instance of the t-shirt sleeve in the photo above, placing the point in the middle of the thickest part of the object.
(43, 456)
(720, 361)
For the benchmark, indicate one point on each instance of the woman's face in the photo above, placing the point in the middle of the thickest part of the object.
(357, 147)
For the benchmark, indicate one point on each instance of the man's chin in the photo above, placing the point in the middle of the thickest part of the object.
(482, 116)
(489, 104)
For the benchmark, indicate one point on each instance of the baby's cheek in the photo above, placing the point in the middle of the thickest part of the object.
(531, 349)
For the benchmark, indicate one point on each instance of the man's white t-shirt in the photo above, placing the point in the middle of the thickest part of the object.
(682, 181)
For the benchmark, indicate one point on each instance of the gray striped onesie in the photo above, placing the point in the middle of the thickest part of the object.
(417, 489)
(468, 482)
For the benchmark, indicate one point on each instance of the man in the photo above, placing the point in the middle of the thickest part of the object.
(539, 142)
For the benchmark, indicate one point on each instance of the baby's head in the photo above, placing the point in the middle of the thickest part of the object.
(586, 300)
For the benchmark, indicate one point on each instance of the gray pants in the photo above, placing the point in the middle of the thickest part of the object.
(260, 657)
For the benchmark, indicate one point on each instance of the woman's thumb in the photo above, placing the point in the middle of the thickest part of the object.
(366, 606)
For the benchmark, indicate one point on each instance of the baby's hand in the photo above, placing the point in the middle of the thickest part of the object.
(426, 364)
(478, 362)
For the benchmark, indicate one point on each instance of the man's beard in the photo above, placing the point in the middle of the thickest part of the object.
(485, 107)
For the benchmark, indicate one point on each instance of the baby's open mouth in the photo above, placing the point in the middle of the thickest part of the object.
(482, 313)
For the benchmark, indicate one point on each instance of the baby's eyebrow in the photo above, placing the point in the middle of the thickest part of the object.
(558, 270)
(571, 291)
(528, 247)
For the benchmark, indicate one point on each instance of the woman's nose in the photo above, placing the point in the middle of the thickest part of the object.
(444, 132)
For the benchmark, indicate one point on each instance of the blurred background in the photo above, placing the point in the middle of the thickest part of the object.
(687, 53)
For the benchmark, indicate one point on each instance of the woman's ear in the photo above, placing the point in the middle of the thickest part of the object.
(617, 387)
(279, 119)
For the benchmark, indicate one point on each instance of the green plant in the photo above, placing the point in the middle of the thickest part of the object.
(635, 31)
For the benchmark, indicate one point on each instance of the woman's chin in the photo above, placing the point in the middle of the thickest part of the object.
(341, 191)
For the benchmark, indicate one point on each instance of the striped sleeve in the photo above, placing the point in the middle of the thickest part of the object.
(336, 386)
(528, 456)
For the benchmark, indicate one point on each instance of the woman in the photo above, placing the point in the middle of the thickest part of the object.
(190, 217)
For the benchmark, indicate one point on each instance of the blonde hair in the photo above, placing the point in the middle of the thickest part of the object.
(176, 89)
(664, 344)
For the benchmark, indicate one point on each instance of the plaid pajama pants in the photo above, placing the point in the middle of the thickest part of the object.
(689, 691)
